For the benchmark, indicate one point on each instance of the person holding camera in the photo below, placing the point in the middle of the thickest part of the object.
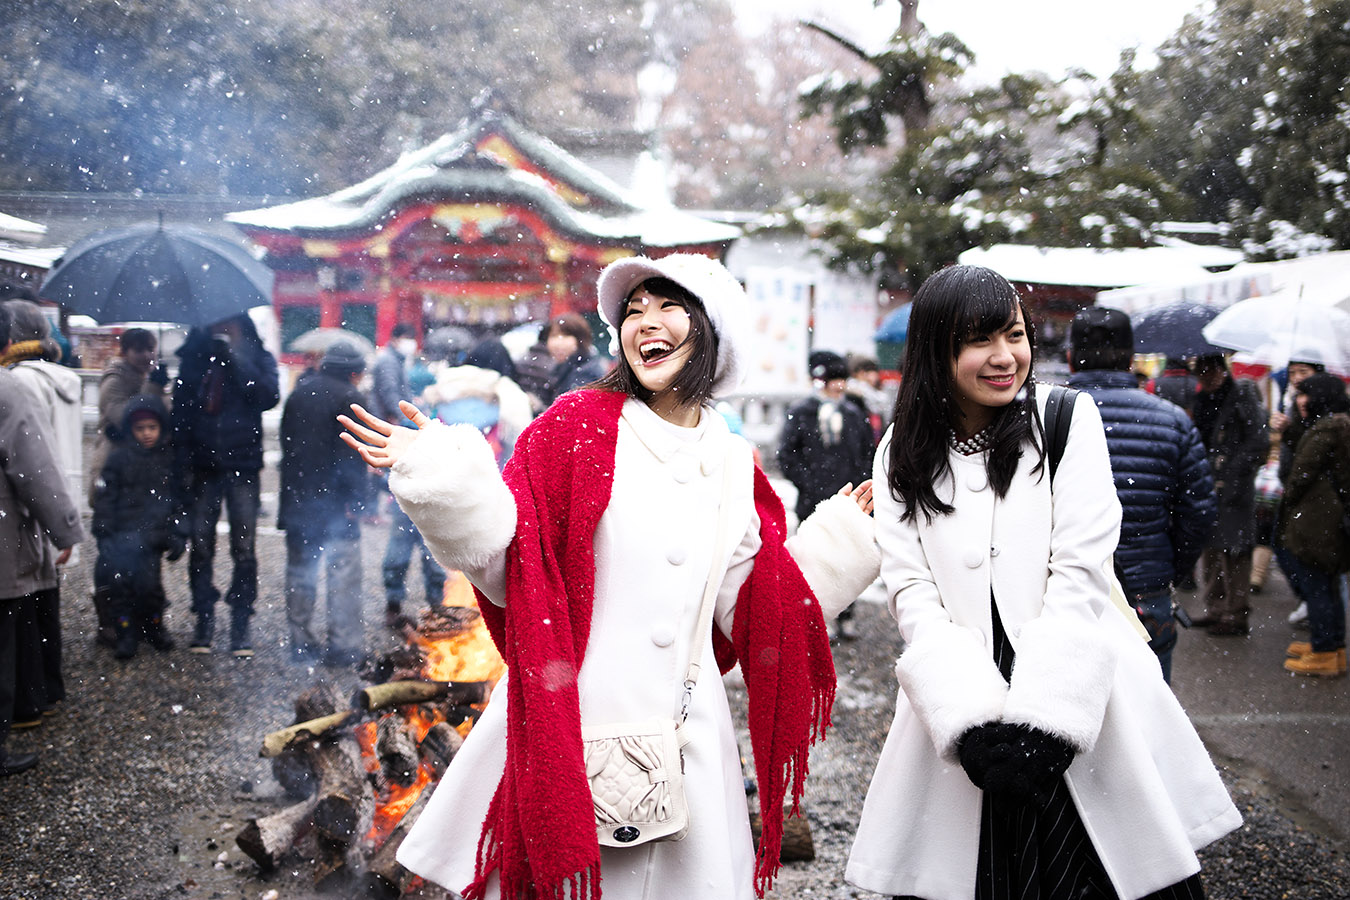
(226, 380)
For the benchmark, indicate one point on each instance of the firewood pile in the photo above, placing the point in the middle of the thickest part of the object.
(359, 770)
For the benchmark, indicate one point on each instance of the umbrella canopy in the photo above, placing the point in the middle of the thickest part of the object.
(318, 340)
(1175, 330)
(895, 327)
(150, 273)
(1281, 327)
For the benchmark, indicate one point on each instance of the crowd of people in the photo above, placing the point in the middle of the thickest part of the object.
(1029, 539)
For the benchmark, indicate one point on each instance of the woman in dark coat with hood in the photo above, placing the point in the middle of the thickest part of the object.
(1313, 545)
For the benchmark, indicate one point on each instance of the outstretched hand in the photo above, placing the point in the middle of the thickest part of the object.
(380, 443)
(862, 495)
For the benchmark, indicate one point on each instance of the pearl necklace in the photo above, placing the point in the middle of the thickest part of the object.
(976, 443)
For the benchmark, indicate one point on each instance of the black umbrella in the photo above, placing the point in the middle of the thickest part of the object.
(149, 273)
(1174, 330)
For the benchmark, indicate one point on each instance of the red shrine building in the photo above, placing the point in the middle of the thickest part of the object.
(491, 224)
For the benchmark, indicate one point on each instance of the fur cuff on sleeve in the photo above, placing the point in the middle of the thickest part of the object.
(1062, 679)
(449, 485)
(952, 684)
(836, 550)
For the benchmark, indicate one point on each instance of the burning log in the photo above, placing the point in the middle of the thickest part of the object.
(439, 747)
(396, 749)
(292, 768)
(279, 741)
(267, 839)
(384, 876)
(403, 693)
(346, 804)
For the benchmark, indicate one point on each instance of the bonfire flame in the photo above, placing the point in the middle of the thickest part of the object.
(467, 655)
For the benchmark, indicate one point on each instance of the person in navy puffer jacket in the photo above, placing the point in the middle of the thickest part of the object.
(1161, 472)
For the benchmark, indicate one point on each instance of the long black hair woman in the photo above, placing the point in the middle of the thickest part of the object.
(1036, 751)
(590, 558)
(1312, 546)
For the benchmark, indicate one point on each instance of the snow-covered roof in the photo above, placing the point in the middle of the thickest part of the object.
(1093, 268)
(12, 228)
(36, 257)
(583, 201)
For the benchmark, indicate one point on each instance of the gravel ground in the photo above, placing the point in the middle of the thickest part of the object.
(150, 768)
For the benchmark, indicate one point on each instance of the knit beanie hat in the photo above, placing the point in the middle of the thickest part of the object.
(342, 360)
(140, 415)
(826, 365)
(721, 294)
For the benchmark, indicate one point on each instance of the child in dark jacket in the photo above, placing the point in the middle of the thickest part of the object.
(137, 518)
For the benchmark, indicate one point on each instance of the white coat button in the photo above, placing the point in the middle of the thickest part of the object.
(663, 635)
(682, 472)
(974, 559)
(676, 556)
(976, 482)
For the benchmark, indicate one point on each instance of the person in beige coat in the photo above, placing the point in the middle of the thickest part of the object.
(1036, 751)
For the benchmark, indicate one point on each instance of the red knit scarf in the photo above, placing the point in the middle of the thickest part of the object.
(540, 829)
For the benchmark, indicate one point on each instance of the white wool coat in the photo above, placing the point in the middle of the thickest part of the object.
(653, 552)
(1142, 781)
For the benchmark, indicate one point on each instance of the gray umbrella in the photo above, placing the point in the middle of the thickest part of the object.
(318, 340)
(150, 273)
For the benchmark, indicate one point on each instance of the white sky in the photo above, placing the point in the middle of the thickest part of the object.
(1005, 35)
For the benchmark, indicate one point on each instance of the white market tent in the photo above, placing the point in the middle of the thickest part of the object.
(1102, 269)
(1324, 279)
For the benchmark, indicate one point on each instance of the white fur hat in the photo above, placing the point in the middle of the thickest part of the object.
(708, 280)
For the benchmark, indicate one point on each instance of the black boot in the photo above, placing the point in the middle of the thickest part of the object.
(240, 645)
(156, 636)
(106, 636)
(201, 635)
(14, 763)
(126, 639)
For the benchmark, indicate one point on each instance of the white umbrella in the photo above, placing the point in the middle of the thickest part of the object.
(318, 340)
(1275, 329)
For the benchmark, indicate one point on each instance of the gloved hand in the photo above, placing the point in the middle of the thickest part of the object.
(159, 376)
(983, 747)
(1035, 761)
(177, 546)
(1014, 761)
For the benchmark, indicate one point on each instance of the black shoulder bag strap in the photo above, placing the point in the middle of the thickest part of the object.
(1058, 416)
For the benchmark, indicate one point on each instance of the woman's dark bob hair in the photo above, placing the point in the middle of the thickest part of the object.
(952, 307)
(1325, 393)
(693, 385)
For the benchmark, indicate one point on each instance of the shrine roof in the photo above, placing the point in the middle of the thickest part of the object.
(461, 167)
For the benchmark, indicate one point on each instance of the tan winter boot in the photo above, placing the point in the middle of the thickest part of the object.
(1261, 556)
(1303, 648)
(1330, 664)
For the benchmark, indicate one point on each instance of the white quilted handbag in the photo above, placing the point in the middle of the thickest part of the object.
(636, 769)
(636, 773)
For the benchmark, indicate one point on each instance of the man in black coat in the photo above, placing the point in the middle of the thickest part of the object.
(324, 489)
(827, 442)
(1232, 422)
(226, 380)
(1159, 467)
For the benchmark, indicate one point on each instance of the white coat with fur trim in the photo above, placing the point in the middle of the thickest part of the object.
(1142, 781)
(653, 550)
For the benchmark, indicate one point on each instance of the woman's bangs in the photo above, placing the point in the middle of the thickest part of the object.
(983, 313)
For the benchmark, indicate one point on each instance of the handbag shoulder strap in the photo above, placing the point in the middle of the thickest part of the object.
(1058, 416)
(705, 612)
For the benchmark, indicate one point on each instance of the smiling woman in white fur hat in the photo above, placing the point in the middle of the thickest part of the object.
(591, 554)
